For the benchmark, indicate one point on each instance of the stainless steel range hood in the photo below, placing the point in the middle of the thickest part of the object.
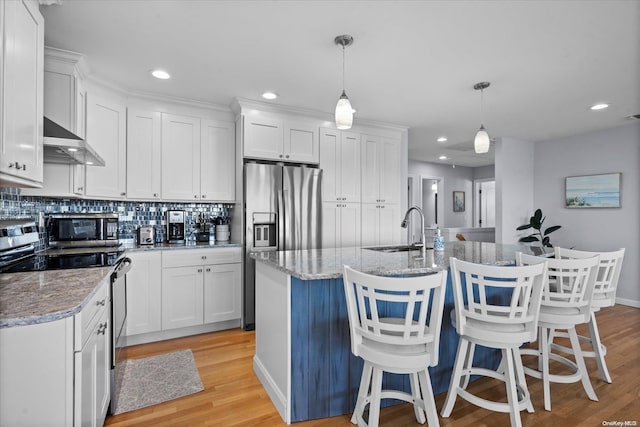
(62, 146)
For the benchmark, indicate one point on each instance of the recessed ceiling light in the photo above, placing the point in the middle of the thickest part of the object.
(599, 106)
(89, 163)
(270, 95)
(160, 74)
(73, 150)
(443, 157)
(442, 139)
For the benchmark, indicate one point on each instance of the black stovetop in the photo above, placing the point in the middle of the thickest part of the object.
(64, 259)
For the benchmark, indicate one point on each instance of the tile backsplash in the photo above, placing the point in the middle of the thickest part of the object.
(131, 214)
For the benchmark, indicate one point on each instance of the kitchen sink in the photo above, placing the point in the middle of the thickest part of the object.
(399, 248)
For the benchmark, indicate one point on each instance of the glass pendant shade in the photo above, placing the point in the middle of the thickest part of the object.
(481, 142)
(344, 112)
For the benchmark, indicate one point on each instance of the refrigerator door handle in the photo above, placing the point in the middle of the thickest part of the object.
(281, 230)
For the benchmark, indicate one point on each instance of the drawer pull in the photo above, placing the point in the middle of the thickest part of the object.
(102, 329)
(102, 303)
(199, 270)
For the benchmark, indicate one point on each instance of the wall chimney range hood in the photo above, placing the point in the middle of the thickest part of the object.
(62, 146)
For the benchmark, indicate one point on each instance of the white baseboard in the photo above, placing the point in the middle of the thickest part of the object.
(180, 332)
(629, 302)
(277, 397)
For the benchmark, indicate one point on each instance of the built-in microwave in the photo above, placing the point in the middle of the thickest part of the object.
(72, 230)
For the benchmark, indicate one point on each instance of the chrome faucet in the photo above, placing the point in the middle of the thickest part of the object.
(404, 225)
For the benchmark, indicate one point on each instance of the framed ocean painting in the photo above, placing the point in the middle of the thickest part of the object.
(593, 191)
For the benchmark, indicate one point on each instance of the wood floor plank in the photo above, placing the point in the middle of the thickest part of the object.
(233, 396)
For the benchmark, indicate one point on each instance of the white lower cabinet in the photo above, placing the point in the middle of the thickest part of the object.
(222, 292)
(144, 293)
(57, 373)
(92, 371)
(380, 224)
(340, 224)
(182, 290)
(200, 286)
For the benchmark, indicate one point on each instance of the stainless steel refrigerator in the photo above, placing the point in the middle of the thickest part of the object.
(282, 212)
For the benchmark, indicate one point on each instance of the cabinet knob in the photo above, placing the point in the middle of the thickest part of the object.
(204, 196)
(101, 302)
(155, 194)
(123, 194)
(199, 270)
(195, 196)
(287, 156)
(208, 270)
(80, 188)
(203, 257)
(102, 329)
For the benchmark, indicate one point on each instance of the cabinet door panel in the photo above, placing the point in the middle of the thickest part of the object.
(144, 293)
(330, 224)
(263, 138)
(21, 89)
(350, 225)
(389, 224)
(371, 224)
(106, 132)
(371, 169)
(330, 164)
(180, 157)
(182, 297)
(390, 171)
(217, 161)
(222, 292)
(350, 176)
(301, 143)
(143, 154)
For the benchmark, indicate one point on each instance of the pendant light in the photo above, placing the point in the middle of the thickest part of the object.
(481, 141)
(344, 112)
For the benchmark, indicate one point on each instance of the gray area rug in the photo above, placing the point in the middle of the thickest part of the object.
(145, 382)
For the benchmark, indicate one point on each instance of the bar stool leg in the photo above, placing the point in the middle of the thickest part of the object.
(512, 390)
(520, 376)
(416, 392)
(363, 392)
(577, 351)
(544, 353)
(427, 398)
(598, 348)
(456, 378)
(374, 403)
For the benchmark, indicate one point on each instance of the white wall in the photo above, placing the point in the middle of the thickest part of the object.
(484, 172)
(614, 150)
(455, 179)
(514, 173)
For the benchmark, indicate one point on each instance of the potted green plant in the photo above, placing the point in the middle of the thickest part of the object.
(539, 235)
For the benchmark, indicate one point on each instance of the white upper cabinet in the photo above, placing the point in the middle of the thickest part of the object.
(21, 93)
(180, 157)
(301, 142)
(380, 224)
(340, 161)
(280, 139)
(106, 133)
(380, 170)
(217, 161)
(144, 154)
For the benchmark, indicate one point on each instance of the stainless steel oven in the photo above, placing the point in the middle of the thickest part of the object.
(69, 230)
(118, 323)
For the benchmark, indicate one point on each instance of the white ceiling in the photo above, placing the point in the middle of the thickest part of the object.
(413, 63)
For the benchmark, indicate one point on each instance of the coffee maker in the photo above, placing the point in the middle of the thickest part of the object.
(175, 226)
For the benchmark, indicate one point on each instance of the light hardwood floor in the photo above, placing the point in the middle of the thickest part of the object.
(234, 397)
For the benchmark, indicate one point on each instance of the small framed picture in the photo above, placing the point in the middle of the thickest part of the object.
(458, 201)
(593, 191)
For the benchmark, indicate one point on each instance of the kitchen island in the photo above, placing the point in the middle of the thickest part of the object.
(303, 355)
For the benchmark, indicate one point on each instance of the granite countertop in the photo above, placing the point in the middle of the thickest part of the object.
(328, 263)
(45, 296)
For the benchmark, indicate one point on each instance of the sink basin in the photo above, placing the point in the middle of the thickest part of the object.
(399, 248)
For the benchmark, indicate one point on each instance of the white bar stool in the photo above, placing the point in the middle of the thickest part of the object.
(566, 302)
(480, 321)
(406, 342)
(604, 295)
